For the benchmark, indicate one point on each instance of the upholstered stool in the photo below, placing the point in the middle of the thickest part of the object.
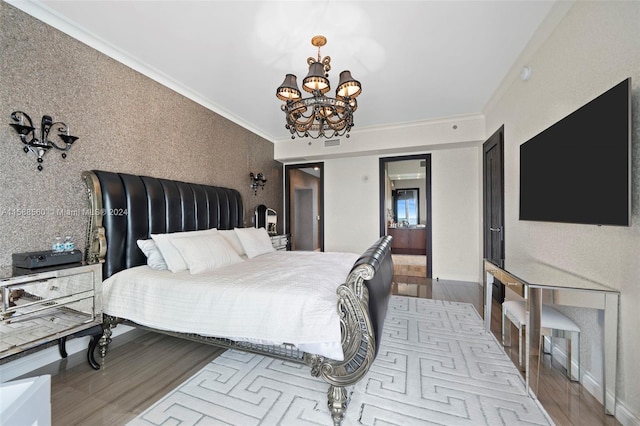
(553, 323)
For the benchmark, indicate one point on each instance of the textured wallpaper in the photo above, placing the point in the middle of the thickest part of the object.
(126, 122)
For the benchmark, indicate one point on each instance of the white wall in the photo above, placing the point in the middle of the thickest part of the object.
(352, 208)
(456, 199)
(595, 46)
(351, 203)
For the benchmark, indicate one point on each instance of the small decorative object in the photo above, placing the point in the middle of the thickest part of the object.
(24, 126)
(257, 181)
(57, 245)
(69, 244)
(319, 116)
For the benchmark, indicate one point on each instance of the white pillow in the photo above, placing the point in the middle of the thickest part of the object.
(154, 257)
(204, 253)
(173, 258)
(233, 240)
(255, 241)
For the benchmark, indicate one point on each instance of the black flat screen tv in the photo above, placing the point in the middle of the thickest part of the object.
(579, 169)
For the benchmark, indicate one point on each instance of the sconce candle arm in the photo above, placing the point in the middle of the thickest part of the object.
(63, 134)
(22, 129)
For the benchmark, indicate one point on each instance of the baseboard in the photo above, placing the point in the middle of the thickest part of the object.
(623, 414)
(588, 381)
(28, 363)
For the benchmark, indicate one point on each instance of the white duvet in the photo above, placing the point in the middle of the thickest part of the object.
(275, 298)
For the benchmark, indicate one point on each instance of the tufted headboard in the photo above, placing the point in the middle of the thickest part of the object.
(126, 208)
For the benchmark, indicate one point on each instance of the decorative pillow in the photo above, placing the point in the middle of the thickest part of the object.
(233, 240)
(154, 257)
(204, 253)
(175, 262)
(255, 241)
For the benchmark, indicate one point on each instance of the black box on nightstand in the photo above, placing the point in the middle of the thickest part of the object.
(43, 259)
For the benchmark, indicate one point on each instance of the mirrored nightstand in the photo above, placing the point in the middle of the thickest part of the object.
(43, 306)
(280, 242)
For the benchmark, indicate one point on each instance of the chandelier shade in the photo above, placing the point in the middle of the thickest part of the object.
(288, 90)
(319, 116)
(316, 79)
(348, 86)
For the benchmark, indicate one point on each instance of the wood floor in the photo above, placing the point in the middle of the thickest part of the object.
(141, 367)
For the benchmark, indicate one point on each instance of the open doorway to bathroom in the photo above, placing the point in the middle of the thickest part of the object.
(405, 214)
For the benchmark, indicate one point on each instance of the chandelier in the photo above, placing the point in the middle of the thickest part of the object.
(319, 116)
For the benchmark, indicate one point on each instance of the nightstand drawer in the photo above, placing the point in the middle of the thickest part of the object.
(29, 326)
(53, 289)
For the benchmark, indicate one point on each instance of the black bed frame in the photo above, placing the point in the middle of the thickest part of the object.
(127, 207)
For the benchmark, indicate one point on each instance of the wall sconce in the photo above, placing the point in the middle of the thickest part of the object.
(257, 181)
(39, 147)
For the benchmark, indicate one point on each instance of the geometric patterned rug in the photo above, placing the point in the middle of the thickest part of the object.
(436, 366)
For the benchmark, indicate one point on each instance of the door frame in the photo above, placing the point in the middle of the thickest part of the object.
(383, 214)
(496, 140)
(288, 202)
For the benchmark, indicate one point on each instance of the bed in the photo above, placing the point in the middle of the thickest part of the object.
(125, 209)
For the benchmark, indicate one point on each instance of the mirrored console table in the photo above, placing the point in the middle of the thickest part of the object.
(537, 283)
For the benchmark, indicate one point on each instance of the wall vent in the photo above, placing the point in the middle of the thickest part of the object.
(331, 143)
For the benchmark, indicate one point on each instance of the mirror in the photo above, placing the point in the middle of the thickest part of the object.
(267, 218)
(272, 221)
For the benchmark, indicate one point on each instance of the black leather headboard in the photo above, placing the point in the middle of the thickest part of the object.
(134, 207)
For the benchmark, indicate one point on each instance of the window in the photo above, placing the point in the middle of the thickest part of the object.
(407, 210)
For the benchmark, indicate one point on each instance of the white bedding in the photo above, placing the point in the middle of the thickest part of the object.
(275, 298)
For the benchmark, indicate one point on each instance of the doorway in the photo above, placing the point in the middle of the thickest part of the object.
(405, 207)
(493, 203)
(303, 237)
(304, 206)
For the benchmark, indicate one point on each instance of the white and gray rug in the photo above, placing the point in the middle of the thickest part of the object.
(436, 366)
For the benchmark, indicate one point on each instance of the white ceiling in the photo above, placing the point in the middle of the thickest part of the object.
(416, 60)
